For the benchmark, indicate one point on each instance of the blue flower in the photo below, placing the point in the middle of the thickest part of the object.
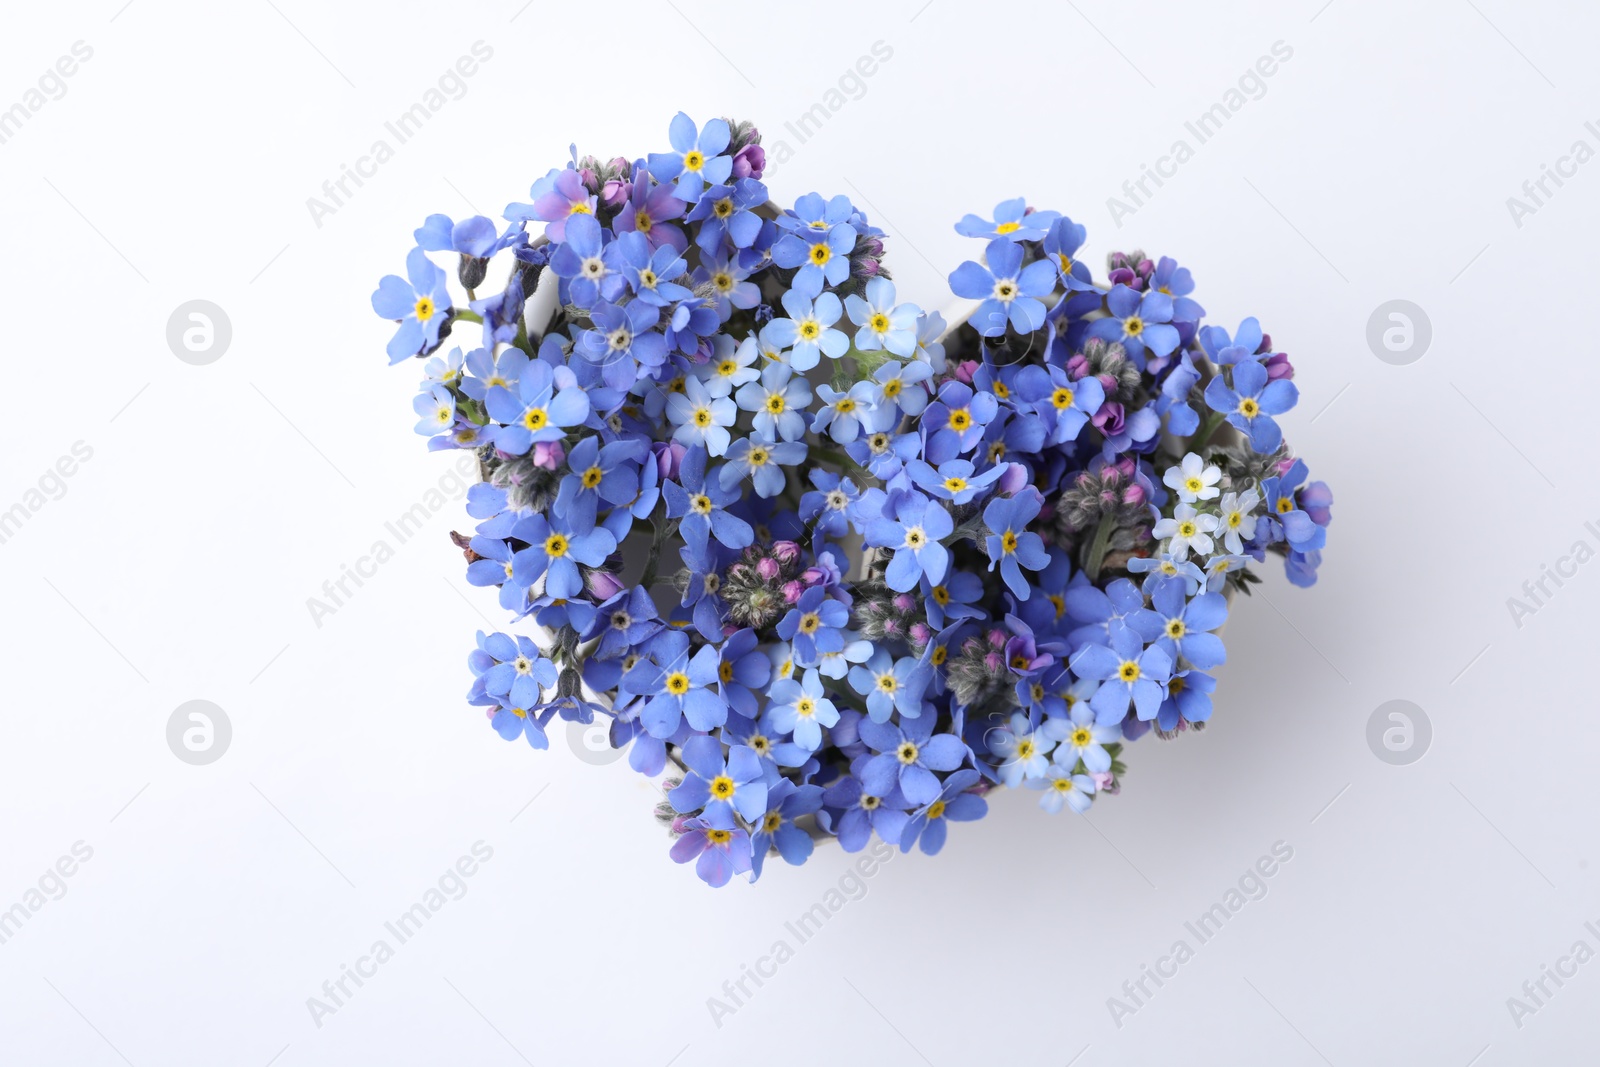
(721, 853)
(823, 258)
(1010, 292)
(700, 503)
(437, 408)
(730, 366)
(1010, 546)
(954, 479)
(802, 708)
(1178, 283)
(555, 548)
(1061, 244)
(1180, 626)
(842, 412)
(730, 287)
(702, 420)
(1138, 323)
(860, 813)
(1012, 220)
(608, 473)
(1188, 699)
(913, 527)
(1082, 737)
(581, 264)
(901, 383)
(954, 804)
(419, 302)
(743, 668)
(1024, 752)
(512, 669)
(1128, 671)
(762, 462)
(1227, 351)
(779, 401)
(696, 159)
(954, 423)
(891, 685)
(1300, 522)
(1252, 401)
(538, 411)
(650, 272)
(679, 688)
(1069, 405)
(777, 830)
(953, 599)
(729, 210)
(828, 507)
(813, 625)
(884, 454)
(721, 787)
(494, 567)
(808, 331)
(884, 326)
(907, 756)
(624, 622)
(1064, 789)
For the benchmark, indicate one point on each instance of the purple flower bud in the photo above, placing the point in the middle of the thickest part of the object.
(767, 568)
(615, 193)
(786, 551)
(1077, 366)
(603, 585)
(791, 590)
(750, 161)
(1278, 366)
(1134, 496)
(1014, 479)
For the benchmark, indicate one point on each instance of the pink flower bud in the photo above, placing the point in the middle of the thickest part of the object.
(994, 662)
(787, 551)
(997, 638)
(549, 455)
(768, 569)
(604, 585)
(615, 193)
(1014, 479)
(1133, 496)
(792, 591)
(965, 370)
(903, 602)
(1077, 366)
(921, 633)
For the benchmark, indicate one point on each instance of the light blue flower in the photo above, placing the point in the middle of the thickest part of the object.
(808, 331)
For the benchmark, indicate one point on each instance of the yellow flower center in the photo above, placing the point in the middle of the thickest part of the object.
(1081, 737)
(775, 404)
(592, 476)
(1008, 542)
(700, 504)
(677, 683)
(891, 388)
(555, 545)
(722, 787)
(906, 753)
(770, 822)
(941, 595)
(720, 838)
(1249, 408)
(725, 672)
(1175, 628)
(960, 419)
(954, 484)
(936, 810)
(1008, 227)
(693, 161)
(535, 418)
(879, 323)
(1133, 326)
(424, 308)
(642, 221)
(1129, 671)
(722, 208)
(820, 254)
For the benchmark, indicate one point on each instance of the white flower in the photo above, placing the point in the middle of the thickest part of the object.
(1193, 480)
(700, 418)
(1237, 522)
(1188, 529)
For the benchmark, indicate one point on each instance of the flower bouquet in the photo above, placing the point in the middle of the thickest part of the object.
(836, 565)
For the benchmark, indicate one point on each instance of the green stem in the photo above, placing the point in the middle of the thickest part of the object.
(1202, 437)
(1097, 550)
(468, 316)
(663, 532)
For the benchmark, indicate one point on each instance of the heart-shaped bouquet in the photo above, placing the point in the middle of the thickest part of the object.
(842, 566)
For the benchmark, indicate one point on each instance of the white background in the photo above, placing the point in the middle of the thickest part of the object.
(178, 563)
